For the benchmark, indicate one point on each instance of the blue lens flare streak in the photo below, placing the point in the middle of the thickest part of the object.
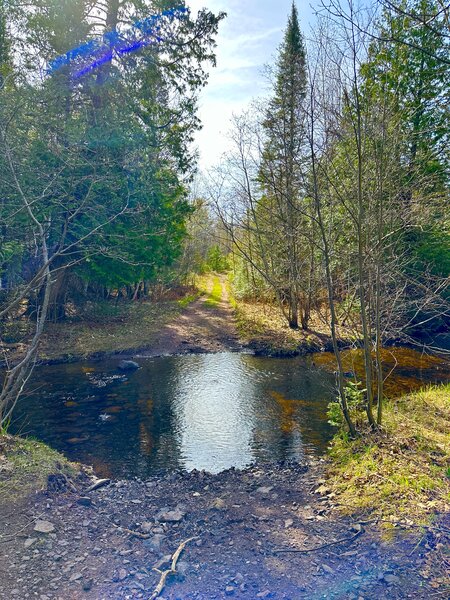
(92, 54)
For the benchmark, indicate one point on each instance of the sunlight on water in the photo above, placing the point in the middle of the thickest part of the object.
(210, 411)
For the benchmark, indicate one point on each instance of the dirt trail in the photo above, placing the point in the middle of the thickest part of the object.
(203, 326)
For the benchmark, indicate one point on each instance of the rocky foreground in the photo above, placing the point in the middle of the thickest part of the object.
(258, 533)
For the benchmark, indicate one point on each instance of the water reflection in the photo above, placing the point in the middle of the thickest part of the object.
(201, 411)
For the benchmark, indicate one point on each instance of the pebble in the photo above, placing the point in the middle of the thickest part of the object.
(264, 489)
(84, 501)
(170, 516)
(44, 527)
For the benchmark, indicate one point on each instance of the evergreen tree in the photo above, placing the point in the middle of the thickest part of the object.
(282, 172)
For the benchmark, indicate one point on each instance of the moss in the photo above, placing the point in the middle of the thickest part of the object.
(25, 464)
(401, 470)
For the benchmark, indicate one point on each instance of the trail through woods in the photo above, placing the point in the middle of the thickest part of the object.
(206, 325)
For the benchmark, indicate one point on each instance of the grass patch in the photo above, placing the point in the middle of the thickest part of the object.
(184, 302)
(215, 296)
(402, 471)
(106, 327)
(25, 465)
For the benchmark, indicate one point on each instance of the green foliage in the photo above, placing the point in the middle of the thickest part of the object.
(354, 395)
(104, 163)
(432, 248)
(215, 297)
(217, 261)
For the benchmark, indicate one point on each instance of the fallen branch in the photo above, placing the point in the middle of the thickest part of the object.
(299, 551)
(11, 536)
(173, 568)
(138, 534)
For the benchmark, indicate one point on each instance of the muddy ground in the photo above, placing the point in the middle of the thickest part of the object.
(243, 525)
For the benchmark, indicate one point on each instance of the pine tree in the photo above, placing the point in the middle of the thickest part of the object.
(282, 169)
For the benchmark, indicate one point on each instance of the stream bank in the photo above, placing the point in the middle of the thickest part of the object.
(270, 532)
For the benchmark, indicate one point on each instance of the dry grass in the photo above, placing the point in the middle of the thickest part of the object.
(104, 328)
(264, 327)
(402, 472)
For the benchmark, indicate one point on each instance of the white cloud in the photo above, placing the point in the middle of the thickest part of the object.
(248, 39)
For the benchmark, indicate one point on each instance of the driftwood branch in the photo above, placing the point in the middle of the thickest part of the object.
(173, 568)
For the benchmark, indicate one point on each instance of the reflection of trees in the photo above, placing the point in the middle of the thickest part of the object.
(152, 387)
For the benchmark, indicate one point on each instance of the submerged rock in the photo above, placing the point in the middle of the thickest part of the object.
(128, 365)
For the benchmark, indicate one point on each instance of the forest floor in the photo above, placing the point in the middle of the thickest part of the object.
(200, 321)
(203, 319)
(270, 532)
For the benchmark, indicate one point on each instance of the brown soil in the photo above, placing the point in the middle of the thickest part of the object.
(241, 522)
(199, 328)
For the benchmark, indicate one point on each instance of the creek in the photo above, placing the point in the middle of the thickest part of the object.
(197, 411)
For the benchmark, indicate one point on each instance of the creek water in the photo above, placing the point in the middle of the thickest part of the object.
(205, 411)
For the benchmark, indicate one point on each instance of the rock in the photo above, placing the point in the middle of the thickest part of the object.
(29, 542)
(164, 561)
(328, 569)
(229, 590)
(76, 577)
(128, 365)
(44, 527)
(322, 490)
(84, 501)
(391, 579)
(146, 527)
(182, 567)
(122, 574)
(170, 516)
(288, 523)
(87, 585)
(154, 543)
(218, 504)
(264, 594)
(264, 490)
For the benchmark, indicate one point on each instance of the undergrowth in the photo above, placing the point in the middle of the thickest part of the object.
(403, 470)
(25, 465)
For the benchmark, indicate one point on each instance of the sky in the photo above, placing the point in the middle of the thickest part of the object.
(248, 39)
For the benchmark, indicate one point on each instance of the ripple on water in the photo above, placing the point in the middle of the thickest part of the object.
(203, 411)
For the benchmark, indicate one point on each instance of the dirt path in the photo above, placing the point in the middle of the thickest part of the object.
(240, 520)
(206, 325)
